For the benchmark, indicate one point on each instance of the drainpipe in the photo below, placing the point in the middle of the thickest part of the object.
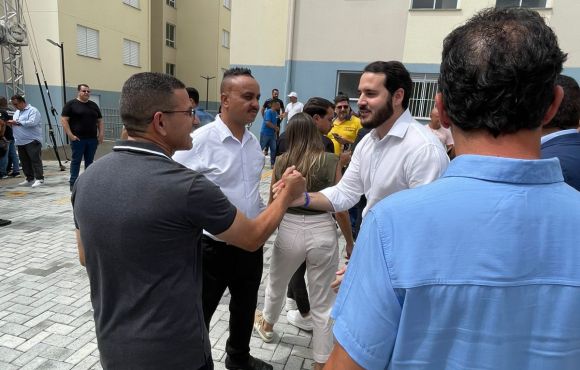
(289, 50)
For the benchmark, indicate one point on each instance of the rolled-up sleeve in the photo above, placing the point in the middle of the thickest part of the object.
(349, 189)
(367, 310)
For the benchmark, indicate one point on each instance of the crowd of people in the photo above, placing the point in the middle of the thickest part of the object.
(467, 256)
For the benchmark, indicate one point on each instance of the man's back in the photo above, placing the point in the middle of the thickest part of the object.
(567, 149)
(491, 281)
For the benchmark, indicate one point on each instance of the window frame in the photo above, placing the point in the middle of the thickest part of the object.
(226, 38)
(547, 5)
(170, 66)
(87, 52)
(435, 6)
(133, 61)
(170, 42)
(429, 83)
(132, 3)
(351, 90)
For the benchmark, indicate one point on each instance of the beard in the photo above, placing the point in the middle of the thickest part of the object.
(378, 118)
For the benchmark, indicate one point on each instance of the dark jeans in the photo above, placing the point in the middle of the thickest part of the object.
(269, 142)
(81, 148)
(30, 157)
(297, 290)
(10, 160)
(226, 266)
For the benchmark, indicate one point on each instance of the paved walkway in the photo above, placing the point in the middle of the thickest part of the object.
(46, 317)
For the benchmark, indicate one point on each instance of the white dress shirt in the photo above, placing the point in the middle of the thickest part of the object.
(407, 157)
(233, 166)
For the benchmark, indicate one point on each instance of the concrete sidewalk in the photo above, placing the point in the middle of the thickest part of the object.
(46, 318)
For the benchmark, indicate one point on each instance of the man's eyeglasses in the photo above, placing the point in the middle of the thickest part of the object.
(340, 107)
(86, 91)
(189, 112)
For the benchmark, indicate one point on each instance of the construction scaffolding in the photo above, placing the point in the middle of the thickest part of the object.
(12, 38)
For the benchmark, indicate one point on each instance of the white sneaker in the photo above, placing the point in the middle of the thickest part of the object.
(37, 183)
(291, 304)
(25, 183)
(295, 318)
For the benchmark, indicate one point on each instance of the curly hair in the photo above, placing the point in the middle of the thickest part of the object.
(498, 71)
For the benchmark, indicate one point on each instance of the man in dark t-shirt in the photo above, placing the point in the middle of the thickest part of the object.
(82, 121)
(139, 216)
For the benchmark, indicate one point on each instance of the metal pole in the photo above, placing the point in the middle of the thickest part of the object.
(63, 78)
(207, 78)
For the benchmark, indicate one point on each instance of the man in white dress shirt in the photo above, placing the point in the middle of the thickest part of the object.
(229, 155)
(399, 153)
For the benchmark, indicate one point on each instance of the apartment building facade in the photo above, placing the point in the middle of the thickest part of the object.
(318, 48)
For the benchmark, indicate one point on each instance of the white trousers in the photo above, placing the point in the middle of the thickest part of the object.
(312, 238)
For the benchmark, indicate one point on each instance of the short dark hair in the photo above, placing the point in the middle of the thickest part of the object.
(232, 73)
(340, 98)
(193, 94)
(317, 105)
(396, 77)
(569, 113)
(19, 98)
(142, 95)
(81, 85)
(275, 90)
(498, 71)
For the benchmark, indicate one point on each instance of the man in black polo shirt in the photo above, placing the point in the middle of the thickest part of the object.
(82, 121)
(139, 217)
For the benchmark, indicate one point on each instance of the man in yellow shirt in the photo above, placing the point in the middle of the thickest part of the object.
(346, 125)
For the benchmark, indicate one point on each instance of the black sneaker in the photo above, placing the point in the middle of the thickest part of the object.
(251, 364)
(14, 174)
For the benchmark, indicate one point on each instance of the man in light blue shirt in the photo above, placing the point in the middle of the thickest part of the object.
(27, 129)
(481, 268)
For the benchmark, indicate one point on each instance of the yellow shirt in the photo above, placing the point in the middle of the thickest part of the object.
(347, 129)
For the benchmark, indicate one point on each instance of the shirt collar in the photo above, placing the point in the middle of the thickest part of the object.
(553, 135)
(224, 131)
(400, 126)
(139, 147)
(507, 170)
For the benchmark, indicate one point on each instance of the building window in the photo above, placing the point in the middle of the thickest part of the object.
(131, 53)
(87, 42)
(170, 69)
(520, 3)
(347, 84)
(170, 35)
(171, 3)
(228, 4)
(133, 3)
(434, 4)
(225, 39)
(423, 96)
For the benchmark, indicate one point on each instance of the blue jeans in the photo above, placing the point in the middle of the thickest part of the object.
(12, 157)
(81, 148)
(270, 142)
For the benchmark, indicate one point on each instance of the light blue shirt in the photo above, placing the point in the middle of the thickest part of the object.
(29, 126)
(477, 270)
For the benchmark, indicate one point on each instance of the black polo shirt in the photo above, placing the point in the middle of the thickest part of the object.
(141, 216)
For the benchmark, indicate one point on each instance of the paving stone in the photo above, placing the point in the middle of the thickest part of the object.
(46, 316)
(8, 354)
(11, 341)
